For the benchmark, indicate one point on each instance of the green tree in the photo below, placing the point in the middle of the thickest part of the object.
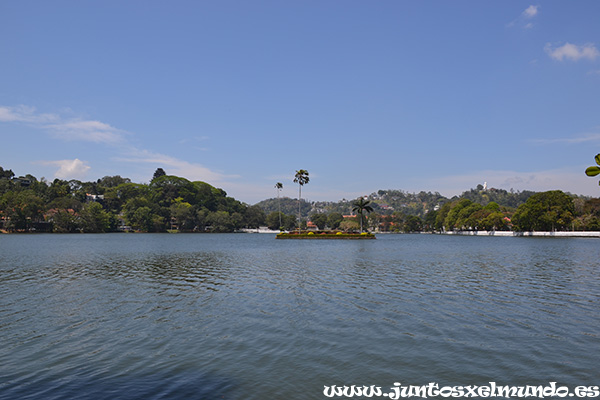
(398, 219)
(65, 220)
(183, 215)
(319, 219)
(467, 217)
(273, 221)
(289, 222)
(219, 221)
(441, 216)
(143, 215)
(334, 219)
(201, 223)
(58, 188)
(301, 178)
(450, 222)
(94, 218)
(205, 195)
(494, 221)
(254, 217)
(546, 211)
(21, 209)
(492, 206)
(237, 220)
(6, 173)
(142, 219)
(167, 188)
(360, 206)
(413, 223)
(158, 173)
(349, 225)
(279, 186)
(429, 221)
(112, 181)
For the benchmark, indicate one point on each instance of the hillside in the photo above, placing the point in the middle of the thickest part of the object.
(288, 206)
(388, 202)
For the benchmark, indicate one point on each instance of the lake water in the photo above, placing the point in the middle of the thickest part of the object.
(245, 316)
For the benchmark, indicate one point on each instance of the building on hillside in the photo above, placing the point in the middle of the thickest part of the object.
(310, 226)
(24, 182)
(94, 197)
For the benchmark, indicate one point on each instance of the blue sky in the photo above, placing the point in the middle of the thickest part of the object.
(410, 95)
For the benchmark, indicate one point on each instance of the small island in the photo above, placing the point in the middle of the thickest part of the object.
(324, 235)
(360, 206)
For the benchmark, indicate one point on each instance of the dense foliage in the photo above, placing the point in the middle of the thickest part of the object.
(546, 211)
(114, 203)
(477, 209)
(288, 206)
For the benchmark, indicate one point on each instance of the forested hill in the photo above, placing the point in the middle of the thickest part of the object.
(480, 208)
(388, 202)
(499, 196)
(287, 205)
(114, 203)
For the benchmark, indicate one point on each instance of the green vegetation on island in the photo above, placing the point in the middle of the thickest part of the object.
(324, 235)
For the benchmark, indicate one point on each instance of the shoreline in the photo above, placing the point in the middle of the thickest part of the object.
(557, 234)
(582, 234)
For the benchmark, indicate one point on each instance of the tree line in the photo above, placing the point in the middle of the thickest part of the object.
(114, 203)
(168, 202)
(521, 211)
(544, 211)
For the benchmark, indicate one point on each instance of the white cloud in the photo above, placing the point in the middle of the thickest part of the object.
(572, 52)
(588, 137)
(69, 169)
(89, 131)
(174, 166)
(85, 130)
(25, 114)
(63, 128)
(524, 20)
(530, 11)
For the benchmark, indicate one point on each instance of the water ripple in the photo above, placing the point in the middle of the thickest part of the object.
(245, 316)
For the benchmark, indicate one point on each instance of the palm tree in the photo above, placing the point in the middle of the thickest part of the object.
(301, 178)
(279, 186)
(361, 205)
(594, 170)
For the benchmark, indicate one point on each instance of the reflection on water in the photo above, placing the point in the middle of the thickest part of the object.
(248, 317)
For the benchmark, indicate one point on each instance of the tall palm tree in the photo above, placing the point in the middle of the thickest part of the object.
(360, 206)
(279, 186)
(301, 178)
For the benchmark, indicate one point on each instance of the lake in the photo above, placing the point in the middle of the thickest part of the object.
(245, 316)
